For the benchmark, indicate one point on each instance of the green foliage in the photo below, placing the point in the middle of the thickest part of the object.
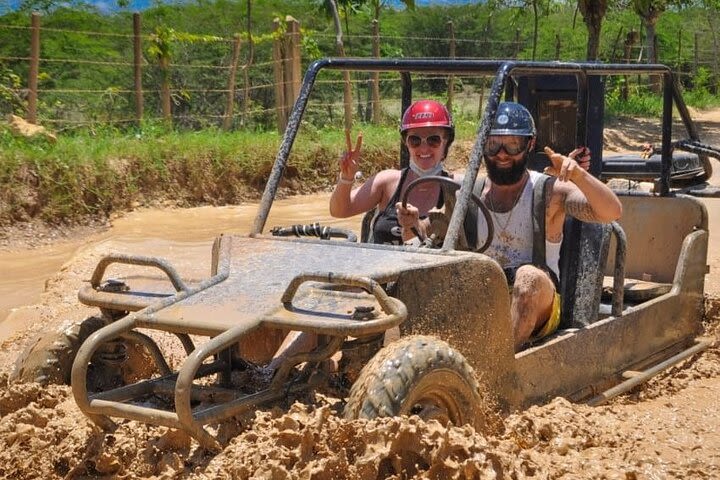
(108, 164)
(93, 173)
(10, 83)
(637, 104)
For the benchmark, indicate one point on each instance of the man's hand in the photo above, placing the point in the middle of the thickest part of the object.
(350, 161)
(648, 149)
(582, 156)
(564, 168)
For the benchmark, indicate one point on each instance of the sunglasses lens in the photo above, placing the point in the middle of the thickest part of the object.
(434, 140)
(511, 145)
(414, 141)
(493, 146)
(516, 146)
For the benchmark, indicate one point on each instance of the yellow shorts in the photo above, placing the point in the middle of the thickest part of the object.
(552, 323)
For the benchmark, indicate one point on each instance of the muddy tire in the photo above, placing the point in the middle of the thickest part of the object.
(49, 358)
(417, 375)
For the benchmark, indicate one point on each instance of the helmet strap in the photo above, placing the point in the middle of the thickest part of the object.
(420, 172)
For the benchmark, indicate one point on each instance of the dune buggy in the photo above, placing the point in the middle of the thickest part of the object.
(633, 292)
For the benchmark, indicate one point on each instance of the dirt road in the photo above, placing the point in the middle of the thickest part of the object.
(669, 428)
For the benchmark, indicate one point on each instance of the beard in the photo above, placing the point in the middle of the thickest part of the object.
(506, 176)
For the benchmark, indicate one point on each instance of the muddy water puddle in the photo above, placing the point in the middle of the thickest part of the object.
(24, 273)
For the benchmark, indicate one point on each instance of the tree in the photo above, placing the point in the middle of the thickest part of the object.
(649, 12)
(538, 7)
(347, 91)
(593, 12)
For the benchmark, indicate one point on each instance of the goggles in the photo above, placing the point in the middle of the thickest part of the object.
(433, 141)
(511, 144)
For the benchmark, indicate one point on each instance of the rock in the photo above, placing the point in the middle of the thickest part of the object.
(21, 128)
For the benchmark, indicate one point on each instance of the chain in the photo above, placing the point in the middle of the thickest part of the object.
(512, 209)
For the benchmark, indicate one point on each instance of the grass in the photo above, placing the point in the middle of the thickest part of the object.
(643, 103)
(93, 174)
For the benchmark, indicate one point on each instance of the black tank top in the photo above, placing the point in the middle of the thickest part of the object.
(386, 229)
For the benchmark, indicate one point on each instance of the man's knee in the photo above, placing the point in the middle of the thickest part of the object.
(532, 300)
(531, 281)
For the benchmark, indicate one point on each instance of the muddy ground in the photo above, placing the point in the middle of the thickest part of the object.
(668, 428)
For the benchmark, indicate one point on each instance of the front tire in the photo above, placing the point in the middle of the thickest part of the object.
(49, 359)
(418, 375)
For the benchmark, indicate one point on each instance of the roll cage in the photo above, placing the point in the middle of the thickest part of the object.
(508, 76)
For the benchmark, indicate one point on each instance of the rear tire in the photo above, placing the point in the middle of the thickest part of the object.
(418, 375)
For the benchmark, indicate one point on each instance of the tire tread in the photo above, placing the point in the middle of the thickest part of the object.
(385, 382)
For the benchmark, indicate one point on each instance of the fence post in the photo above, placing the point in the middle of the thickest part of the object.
(227, 121)
(278, 64)
(631, 39)
(615, 45)
(715, 57)
(695, 55)
(451, 78)
(375, 104)
(292, 63)
(34, 67)
(557, 46)
(137, 68)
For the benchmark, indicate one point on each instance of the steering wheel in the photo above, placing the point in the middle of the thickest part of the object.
(455, 186)
(314, 230)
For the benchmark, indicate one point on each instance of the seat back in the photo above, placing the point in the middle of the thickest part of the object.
(656, 228)
(582, 260)
(366, 226)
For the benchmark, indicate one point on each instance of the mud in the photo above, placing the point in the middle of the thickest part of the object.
(668, 428)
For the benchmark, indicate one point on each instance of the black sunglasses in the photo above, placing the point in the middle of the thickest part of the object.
(433, 141)
(511, 145)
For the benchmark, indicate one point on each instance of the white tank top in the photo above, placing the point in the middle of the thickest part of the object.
(513, 238)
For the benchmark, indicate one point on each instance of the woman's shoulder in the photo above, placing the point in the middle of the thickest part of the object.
(388, 175)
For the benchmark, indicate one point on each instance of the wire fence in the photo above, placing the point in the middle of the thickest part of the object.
(75, 78)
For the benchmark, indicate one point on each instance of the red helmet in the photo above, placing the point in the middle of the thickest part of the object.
(426, 113)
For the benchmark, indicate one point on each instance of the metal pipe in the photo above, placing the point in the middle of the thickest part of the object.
(489, 67)
(461, 207)
(355, 328)
(139, 260)
(618, 296)
(683, 110)
(645, 375)
(666, 161)
(582, 111)
(406, 100)
(291, 131)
